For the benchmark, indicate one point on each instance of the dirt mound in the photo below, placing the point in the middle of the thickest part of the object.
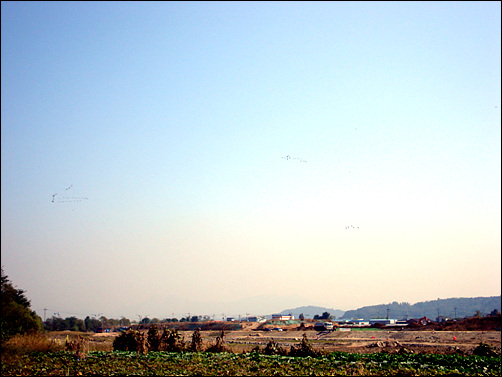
(381, 344)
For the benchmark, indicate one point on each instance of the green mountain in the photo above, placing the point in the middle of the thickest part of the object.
(451, 307)
(311, 311)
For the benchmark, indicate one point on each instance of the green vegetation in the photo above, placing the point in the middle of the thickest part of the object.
(15, 314)
(250, 364)
(324, 315)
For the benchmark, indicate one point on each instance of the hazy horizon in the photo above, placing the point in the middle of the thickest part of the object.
(249, 157)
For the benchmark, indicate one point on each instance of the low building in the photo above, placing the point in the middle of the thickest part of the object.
(352, 322)
(383, 321)
(282, 317)
(257, 319)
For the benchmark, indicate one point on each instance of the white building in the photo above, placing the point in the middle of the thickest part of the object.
(383, 321)
(352, 322)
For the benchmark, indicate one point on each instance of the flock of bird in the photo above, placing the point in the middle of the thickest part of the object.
(288, 157)
(351, 227)
(67, 199)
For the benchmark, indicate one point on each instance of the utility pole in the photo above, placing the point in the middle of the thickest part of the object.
(388, 310)
(45, 310)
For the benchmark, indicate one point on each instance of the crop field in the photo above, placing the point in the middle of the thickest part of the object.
(245, 353)
(249, 364)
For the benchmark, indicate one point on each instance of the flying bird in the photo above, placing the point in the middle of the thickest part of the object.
(288, 157)
(67, 199)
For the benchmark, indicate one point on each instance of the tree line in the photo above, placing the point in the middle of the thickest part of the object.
(16, 315)
(451, 308)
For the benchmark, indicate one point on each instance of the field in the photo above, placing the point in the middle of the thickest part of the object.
(342, 353)
(250, 364)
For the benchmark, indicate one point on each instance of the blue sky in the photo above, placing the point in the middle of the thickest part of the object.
(171, 120)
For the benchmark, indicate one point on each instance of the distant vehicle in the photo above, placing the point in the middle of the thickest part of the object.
(323, 326)
(277, 329)
(328, 325)
(121, 329)
(267, 329)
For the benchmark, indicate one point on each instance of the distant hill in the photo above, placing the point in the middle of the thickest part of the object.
(463, 307)
(311, 311)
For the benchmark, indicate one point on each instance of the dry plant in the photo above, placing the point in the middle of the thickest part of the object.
(218, 346)
(26, 343)
(141, 343)
(130, 340)
(172, 341)
(80, 346)
(272, 348)
(154, 339)
(196, 345)
(304, 348)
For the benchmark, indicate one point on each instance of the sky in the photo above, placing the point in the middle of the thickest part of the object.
(164, 159)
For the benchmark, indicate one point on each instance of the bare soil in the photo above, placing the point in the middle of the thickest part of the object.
(459, 337)
(357, 341)
(373, 341)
